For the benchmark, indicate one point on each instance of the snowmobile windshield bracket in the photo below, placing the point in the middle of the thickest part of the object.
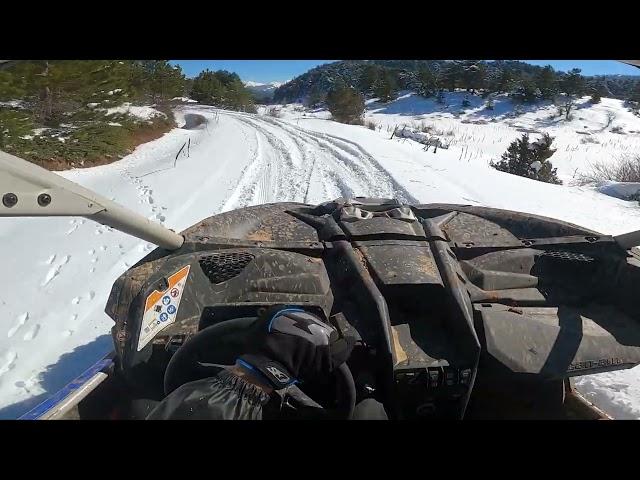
(27, 190)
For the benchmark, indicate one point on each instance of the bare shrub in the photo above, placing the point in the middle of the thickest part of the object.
(424, 128)
(610, 118)
(626, 169)
(274, 112)
(370, 124)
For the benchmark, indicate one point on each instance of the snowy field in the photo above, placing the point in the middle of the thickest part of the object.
(62, 269)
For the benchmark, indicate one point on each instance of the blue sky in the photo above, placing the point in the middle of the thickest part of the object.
(590, 67)
(281, 70)
(256, 70)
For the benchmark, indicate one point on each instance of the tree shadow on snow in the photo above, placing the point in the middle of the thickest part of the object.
(412, 104)
(506, 108)
(57, 375)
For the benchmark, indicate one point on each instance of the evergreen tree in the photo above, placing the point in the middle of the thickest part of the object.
(635, 93)
(427, 82)
(472, 74)
(529, 160)
(573, 86)
(368, 78)
(159, 80)
(573, 83)
(207, 88)
(222, 89)
(525, 91)
(489, 105)
(385, 87)
(598, 90)
(504, 80)
(547, 82)
(634, 99)
(451, 75)
(345, 104)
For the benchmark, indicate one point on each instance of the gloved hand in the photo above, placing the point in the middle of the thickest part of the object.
(290, 344)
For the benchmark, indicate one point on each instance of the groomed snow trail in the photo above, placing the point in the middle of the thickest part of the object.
(293, 164)
(62, 269)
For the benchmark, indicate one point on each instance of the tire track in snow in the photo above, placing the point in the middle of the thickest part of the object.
(344, 168)
(278, 162)
(340, 176)
(353, 157)
(305, 168)
(245, 189)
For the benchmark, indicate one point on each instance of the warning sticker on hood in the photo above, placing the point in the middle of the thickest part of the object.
(161, 308)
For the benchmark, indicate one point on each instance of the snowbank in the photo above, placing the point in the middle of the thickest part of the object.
(184, 99)
(622, 190)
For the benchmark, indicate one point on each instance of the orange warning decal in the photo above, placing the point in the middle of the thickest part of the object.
(173, 280)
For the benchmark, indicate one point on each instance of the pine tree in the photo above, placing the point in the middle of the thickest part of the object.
(504, 80)
(427, 82)
(489, 105)
(573, 83)
(635, 93)
(161, 80)
(223, 89)
(385, 87)
(207, 88)
(525, 90)
(573, 86)
(368, 78)
(547, 82)
(598, 90)
(345, 104)
(473, 74)
(451, 75)
(529, 160)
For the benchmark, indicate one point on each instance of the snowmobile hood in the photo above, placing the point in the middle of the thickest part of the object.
(296, 222)
(516, 277)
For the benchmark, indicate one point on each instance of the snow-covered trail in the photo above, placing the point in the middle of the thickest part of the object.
(60, 270)
(294, 164)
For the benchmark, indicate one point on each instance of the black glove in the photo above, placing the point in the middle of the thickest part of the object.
(289, 344)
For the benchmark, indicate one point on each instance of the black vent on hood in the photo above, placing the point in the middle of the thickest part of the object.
(569, 256)
(221, 267)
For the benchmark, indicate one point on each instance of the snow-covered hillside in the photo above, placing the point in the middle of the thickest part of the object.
(54, 324)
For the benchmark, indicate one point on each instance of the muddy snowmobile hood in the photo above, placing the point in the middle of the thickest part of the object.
(439, 292)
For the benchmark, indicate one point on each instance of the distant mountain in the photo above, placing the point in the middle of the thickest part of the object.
(262, 92)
